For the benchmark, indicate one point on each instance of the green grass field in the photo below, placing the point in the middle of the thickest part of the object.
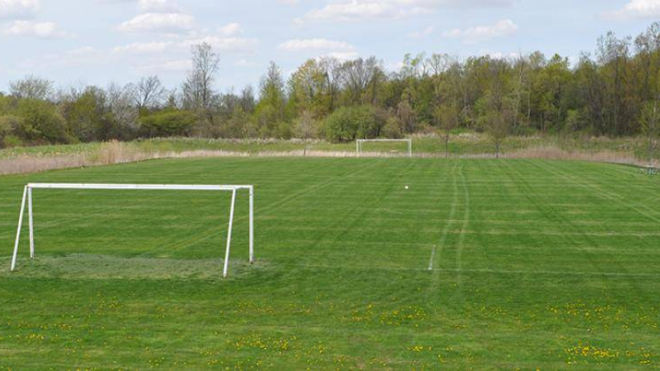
(479, 264)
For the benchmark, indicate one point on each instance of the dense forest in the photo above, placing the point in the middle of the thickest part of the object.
(613, 92)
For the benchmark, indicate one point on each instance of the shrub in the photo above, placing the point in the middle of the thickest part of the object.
(11, 141)
(168, 123)
(350, 123)
(41, 121)
(392, 128)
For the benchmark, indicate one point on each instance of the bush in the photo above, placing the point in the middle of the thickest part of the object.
(7, 126)
(392, 128)
(168, 123)
(11, 141)
(41, 121)
(349, 123)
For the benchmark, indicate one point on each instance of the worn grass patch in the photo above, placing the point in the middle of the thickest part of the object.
(90, 266)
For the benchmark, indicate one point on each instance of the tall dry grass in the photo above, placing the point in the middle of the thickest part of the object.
(117, 152)
(108, 153)
(550, 152)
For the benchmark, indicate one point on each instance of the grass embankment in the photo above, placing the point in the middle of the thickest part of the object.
(533, 264)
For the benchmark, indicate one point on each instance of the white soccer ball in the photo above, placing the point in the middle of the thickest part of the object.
(407, 187)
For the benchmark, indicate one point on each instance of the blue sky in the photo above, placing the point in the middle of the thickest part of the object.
(102, 41)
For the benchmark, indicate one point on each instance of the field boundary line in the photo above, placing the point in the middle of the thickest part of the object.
(474, 270)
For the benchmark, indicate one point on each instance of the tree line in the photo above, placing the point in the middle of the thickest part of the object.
(614, 91)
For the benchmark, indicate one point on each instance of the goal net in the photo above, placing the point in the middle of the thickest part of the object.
(359, 145)
(234, 189)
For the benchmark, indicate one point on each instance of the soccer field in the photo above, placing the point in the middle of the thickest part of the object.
(478, 264)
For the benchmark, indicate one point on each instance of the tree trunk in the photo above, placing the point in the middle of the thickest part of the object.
(447, 145)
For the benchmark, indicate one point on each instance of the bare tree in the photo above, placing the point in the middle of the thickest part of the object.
(448, 118)
(198, 88)
(120, 102)
(358, 74)
(613, 54)
(499, 127)
(148, 92)
(306, 128)
(649, 119)
(333, 73)
(439, 63)
(248, 102)
(31, 87)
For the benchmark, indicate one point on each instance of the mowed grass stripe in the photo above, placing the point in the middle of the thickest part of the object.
(537, 270)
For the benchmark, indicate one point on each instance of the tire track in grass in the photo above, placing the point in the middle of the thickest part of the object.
(448, 224)
(436, 253)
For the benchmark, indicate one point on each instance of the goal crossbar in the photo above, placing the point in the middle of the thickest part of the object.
(27, 199)
(359, 142)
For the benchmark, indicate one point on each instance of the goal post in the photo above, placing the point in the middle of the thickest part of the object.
(360, 142)
(27, 199)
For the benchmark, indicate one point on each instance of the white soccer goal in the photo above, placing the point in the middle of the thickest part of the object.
(359, 142)
(27, 198)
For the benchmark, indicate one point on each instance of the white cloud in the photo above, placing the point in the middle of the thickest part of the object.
(422, 34)
(18, 9)
(245, 63)
(219, 43)
(500, 55)
(34, 29)
(297, 45)
(288, 2)
(323, 48)
(143, 48)
(224, 44)
(158, 6)
(165, 66)
(343, 56)
(85, 55)
(637, 9)
(230, 30)
(358, 10)
(473, 35)
(158, 22)
(361, 10)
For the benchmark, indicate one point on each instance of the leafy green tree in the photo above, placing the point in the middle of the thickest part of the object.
(270, 110)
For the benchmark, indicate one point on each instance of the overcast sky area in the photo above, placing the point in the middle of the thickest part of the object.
(102, 41)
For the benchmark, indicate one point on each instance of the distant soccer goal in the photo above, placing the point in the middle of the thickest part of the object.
(360, 142)
(27, 199)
